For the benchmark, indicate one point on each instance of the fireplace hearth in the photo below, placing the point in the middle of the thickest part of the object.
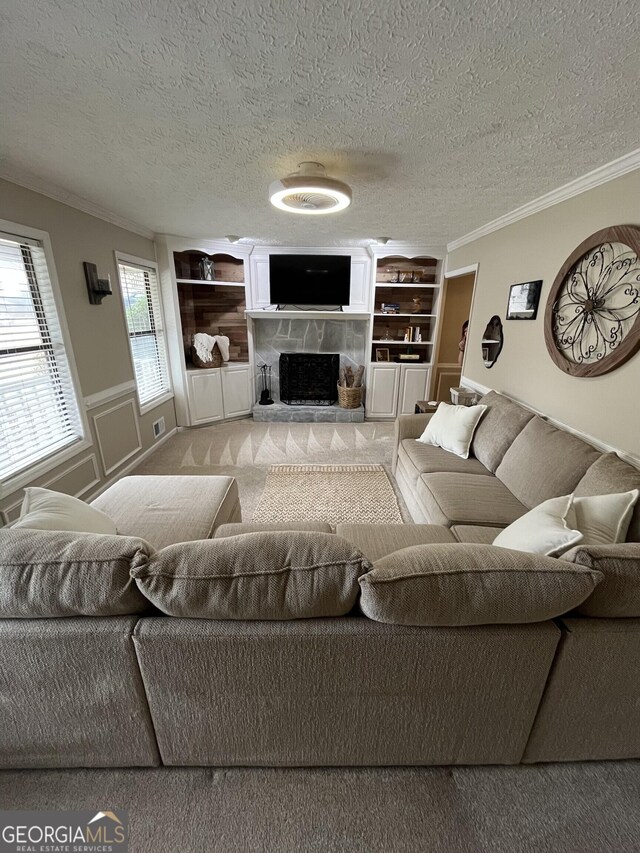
(309, 379)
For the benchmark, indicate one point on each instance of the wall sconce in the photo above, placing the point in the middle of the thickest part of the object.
(97, 288)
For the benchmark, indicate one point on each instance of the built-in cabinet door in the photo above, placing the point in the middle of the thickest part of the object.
(260, 297)
(205, 396)
(414, 386)
(236, 390)
(360, 285)
(382, 390)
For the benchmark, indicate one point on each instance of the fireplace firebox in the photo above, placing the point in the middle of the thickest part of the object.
(309, 379)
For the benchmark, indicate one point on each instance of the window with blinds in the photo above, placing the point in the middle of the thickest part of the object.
(38, 408)
(141, 298)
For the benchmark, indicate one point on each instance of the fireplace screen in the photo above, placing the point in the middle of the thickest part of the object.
(309, 379)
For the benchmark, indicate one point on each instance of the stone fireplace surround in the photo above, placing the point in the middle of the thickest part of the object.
(309, 334)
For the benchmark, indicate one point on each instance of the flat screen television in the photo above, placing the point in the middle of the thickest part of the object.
(309, 279)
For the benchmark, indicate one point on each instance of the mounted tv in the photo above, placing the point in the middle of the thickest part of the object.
(303, 280)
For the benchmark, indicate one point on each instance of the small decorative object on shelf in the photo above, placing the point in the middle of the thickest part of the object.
(382, 354)
(417, 305)
(207, 270)
(265, 381)
(409, 356)
(386, 335)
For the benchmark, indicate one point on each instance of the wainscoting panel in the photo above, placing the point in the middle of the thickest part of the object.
(75, 480)
(117, 435)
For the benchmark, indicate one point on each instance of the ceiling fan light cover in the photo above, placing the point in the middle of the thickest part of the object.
(309, 191)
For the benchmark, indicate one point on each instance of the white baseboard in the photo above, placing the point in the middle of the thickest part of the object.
(133, 464)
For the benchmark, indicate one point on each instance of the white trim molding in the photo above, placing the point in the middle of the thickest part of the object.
(110, 394)
(596, 442)
(132, 465)
(41, 185)
(472, 268)
(131, 453)
(601, 175)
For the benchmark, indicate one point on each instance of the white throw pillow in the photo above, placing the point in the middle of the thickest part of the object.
(452, 428)
(43, 509)
(604, 519)
(543, 530)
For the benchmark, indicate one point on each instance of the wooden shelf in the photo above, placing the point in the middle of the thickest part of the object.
(415, 286)
(204, 281)
(389, 314)
(403, 343)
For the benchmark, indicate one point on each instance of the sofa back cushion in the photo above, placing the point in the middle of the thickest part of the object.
(619, 593)
(58, 573)
(544, 462)
(274, 575)
(608, 475)
(497, 430)
(459, 584)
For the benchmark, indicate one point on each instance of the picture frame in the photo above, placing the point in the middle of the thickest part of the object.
(382, 354)
(485, 353)
(524, 299)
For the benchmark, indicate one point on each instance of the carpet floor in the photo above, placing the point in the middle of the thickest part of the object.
(573, 808)
(247, 450)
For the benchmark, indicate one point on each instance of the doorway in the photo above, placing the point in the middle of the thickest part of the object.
(457, 297)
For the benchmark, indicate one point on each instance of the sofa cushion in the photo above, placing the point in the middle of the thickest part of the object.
(497, 430)
(46, 573)
(467, 499)
(459, 584)
(166, 510)
(281, 575)
(452, 428)
(610, 474)
(547, 529)
(469, 533)
(298, 526)
(418, 458)
(43, 509)
(544, 462)
(378, 540)
(619, 593)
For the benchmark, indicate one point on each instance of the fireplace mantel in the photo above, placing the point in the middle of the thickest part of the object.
(307, 315)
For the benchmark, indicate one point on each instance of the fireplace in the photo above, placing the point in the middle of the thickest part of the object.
(309, 379)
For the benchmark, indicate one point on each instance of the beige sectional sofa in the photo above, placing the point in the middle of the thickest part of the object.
(146, 689)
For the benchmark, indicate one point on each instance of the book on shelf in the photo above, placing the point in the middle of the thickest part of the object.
(412, 335)
(390, 308)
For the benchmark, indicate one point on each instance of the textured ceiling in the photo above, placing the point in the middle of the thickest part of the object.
(441, 115)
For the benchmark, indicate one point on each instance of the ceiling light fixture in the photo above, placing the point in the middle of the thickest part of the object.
(310, 191)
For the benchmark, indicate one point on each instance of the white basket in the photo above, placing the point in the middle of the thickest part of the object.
(462, 396)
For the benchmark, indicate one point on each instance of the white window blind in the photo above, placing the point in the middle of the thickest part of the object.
(38, 408)
(141, 298)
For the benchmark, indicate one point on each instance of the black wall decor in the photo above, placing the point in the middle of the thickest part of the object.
(97, 288)
(523, 300)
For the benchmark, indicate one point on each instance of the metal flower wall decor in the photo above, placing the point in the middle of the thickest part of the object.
(592, 320)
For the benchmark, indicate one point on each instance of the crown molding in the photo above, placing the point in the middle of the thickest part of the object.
(601, 175)
(57, 193)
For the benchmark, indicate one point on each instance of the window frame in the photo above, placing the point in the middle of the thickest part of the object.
(58, 457)
(164, 397)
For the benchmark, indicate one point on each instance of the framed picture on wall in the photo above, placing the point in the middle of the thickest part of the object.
(523, 300)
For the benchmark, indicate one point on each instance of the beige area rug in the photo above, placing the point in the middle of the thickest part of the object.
(337, 494)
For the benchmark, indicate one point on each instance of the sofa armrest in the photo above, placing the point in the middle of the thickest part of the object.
(408, 426)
